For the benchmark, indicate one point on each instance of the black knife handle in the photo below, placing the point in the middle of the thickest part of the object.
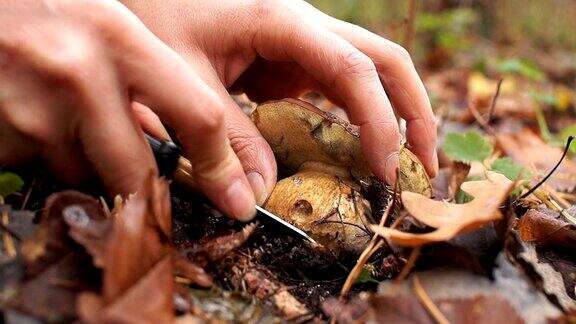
(166, 153)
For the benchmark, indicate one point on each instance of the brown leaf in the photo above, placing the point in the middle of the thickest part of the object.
(89, 229)
(452, 219)
(219, 247)
(136, 262)
(448, 180)
(149, 300)
(547, 276)
(528, 149)
(191, 272)
(545, 230)
(408, 309)
(57, 268)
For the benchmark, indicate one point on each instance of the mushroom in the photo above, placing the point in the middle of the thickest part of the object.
(322, 154)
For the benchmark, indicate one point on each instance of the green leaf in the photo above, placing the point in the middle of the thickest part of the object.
(467, 147)
(462, 197)
(10, 183)
(510, 169)
(523, 67)
(365, 275)
(567, 132)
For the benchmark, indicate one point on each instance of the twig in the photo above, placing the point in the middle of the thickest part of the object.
(365, 230)
(427, 302)
(493, 104)
(410, 30)
(375, 243)
(481, 121)
(6, 235)
(547, 198)
(409, 265)
(28, 193)
(568, 142)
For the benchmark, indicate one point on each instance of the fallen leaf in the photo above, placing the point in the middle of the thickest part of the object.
(508, 284)
(137, 263)
(545, 275)
(531, 151)
(452, 219)
(467, 147)
(408, 309)
(510, 169)
(56, 266)
(459, 174)
(545, 230)
(217, 248)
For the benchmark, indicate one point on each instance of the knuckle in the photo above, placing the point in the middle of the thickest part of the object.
(212, 120)
(356, 63)
(69, 56)
(400, 52)
(248, 147)
(215, 168)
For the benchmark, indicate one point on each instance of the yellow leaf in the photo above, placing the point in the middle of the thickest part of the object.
(452, 219)
(564, 97)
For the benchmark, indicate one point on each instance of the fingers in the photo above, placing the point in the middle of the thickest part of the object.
(253, 151)
(111, 139)
(149, 121)
(173, 90)
(404, 86)
(338, 64)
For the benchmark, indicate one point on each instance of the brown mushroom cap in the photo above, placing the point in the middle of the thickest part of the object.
(298, 133)
(328, 207)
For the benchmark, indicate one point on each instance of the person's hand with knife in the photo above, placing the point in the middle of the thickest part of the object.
(80, 80)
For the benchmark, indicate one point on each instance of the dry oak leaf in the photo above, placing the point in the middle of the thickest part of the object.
(545, 230)
(452, 219)
(137, 263)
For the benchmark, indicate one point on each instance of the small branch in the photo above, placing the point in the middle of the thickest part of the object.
(28, 193)
(493, 104)
(481, 121)
(409, 265)
(428, 303)
(374, 245)
(365, 230)
(566, 148)
(410, 27)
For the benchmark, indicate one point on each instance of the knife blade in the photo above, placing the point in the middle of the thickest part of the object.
(170, 161)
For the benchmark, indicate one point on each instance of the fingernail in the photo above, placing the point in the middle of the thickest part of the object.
(240, 201)
(390, 166)
(258, 187)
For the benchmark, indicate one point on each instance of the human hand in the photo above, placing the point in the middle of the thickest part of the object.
(71, 72)
(273, 49)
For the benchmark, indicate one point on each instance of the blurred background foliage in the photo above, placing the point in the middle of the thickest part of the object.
(457, 25)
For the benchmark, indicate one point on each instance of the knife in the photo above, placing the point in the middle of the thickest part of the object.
(171, 164)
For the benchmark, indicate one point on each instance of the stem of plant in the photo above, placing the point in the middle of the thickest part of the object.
(494, 99)
(410, 31)
(566, 148)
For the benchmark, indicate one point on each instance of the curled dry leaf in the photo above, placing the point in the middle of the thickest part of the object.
(452, 219)
(56, 266)
(219, 247)
(137, 263)
(557, 284)
(545, 230)
(323, 153)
